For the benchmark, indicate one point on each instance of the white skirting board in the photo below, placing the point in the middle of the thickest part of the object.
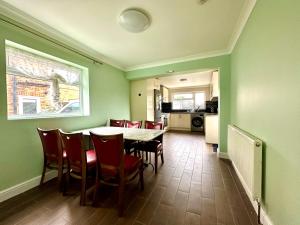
(223, 155)
(265, 220)
(25, 186)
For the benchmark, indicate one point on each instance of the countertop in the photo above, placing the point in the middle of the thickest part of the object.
(205, 113)
(211, 114)
(181, 112)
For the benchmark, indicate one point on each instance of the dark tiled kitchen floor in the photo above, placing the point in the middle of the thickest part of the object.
(192, 187)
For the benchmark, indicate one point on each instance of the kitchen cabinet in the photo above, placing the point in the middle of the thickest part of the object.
(180, 121)
(212, 128)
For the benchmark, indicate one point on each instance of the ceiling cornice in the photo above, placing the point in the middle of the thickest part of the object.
(36, 25)
(178, 60)
(241, 22)
(27, 20)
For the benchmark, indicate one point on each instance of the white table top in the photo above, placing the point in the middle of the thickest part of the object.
(128, 133)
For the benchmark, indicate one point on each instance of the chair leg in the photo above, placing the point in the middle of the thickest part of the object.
(96, 189)
(67, 182)
(141, 171)
(44, 171)
(121, 197)
(60, 176)
(155, 164)
(162, 157)
(83, 189)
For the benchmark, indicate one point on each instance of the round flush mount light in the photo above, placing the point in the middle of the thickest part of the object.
(202, 2)
(134, 20)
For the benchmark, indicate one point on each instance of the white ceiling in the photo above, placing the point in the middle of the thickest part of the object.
(180, 29)
(192, 80)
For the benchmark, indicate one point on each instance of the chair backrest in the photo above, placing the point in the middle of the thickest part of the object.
(52, 146)
(133, 124)
(73, 145)
(109, 151)
(154, 125)
(117, 123)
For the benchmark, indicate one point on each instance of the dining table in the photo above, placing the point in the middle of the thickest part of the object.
(135, 134)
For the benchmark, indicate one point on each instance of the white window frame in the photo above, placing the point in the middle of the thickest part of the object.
(189, 92)
(22, 99)
(84, 87)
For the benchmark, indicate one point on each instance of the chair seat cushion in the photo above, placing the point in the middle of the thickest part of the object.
(130, 146)
(91, 157)
(152, 146)
(131, 164)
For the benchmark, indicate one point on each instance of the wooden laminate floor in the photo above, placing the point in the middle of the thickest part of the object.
(193, 187)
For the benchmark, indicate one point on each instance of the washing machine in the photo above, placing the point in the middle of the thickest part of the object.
(197, 122)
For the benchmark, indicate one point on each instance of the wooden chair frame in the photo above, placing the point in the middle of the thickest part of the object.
(113, 122)
(121, 178)
(139, 122)
(157, 151)
(57, 164)
(71, 172)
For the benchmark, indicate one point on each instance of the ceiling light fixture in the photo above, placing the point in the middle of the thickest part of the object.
(134, 20)
(183, 79)
(202, 2)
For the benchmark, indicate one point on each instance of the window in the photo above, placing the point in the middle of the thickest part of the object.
(199, 100)
(183, 101)
(40, 85)
(189, 101)
(29, 105)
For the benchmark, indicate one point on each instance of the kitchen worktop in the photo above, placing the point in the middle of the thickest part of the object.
(205, 113)
(185, 112)
(210, 114)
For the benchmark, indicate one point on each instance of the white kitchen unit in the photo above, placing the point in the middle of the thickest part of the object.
(180, 121)
(212, 128)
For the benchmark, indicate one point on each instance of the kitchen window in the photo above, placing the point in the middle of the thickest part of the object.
(40, 85)
(188, 101)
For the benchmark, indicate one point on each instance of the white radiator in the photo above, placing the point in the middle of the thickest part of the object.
(245, 152)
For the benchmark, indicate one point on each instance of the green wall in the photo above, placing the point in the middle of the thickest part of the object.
(265, 100)
(21, 152)
(221, 62)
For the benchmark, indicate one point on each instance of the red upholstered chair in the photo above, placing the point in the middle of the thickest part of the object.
(80, 161)
(133, 124)
(154, 125)
(155, 146)
(129, 145)
(54, 156)
(113, 167)
(117, 123)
